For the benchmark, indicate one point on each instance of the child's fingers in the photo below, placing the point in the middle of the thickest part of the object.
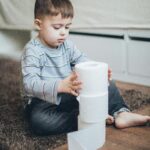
(109, 69)
(74, 93)
(76, 87)
(73, 76)
(75, 83)
(109, 74)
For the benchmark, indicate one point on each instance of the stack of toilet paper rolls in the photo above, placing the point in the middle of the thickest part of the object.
(93, 106)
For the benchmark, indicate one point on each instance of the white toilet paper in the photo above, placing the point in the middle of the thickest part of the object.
(94, 76)
(93, 108)
(85, 125)
(82, 124)
(90, 138)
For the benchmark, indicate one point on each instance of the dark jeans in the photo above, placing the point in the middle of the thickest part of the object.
(49, 119)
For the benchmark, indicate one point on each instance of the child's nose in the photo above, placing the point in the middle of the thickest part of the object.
(63, 32)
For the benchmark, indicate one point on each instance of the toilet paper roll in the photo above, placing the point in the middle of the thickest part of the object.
(90, 138)
(100, 127)
(94, 76)
(85, 125)
(82, 124)
(93, 108)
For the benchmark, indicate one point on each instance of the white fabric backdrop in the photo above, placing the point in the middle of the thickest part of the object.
(91, 14)
(112, 13)
(16, 14)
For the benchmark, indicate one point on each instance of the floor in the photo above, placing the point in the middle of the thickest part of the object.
(135, 138)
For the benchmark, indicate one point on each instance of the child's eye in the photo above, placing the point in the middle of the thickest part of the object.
(56, 27)
(67, 27)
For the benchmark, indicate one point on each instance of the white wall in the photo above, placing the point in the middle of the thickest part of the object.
(12, 42)
(128, 54)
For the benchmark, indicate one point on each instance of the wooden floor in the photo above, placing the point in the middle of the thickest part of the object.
(134, 138)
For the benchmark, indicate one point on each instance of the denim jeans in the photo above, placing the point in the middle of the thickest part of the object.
(49, 119)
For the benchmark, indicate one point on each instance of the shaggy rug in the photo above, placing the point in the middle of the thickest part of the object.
(14, 131)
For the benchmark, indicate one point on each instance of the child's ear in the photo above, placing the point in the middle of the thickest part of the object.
(37, 23)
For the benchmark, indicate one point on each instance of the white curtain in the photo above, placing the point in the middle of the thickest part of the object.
(89, 14)
(112, 13)
(16, 14)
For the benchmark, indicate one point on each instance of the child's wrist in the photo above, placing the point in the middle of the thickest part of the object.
(60, 87)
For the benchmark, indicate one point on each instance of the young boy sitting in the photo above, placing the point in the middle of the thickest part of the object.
(50, 85)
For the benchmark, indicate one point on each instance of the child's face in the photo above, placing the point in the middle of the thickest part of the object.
(54, 30)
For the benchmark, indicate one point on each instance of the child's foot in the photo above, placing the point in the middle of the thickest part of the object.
(110, 120)
(128, 119)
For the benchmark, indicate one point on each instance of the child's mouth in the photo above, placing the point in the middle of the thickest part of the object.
(61, 40)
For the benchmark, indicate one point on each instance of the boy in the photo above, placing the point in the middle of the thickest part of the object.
(49, 83)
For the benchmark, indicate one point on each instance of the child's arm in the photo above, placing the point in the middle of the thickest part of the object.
(76, 56)
(34, 85)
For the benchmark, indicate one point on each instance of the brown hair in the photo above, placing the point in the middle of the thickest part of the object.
(53, 8)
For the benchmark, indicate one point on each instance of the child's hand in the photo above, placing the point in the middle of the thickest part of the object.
(70, 85)
(109, 74)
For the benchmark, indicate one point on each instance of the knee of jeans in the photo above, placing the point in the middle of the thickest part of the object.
(39, 123)
(112, 85)
(50, 124)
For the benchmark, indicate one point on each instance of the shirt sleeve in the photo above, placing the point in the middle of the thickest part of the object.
(33, 85)
(76, 56)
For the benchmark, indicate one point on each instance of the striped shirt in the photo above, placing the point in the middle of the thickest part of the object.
(43, 67)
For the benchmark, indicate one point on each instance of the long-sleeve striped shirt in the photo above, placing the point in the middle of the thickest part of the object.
(43, 67)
